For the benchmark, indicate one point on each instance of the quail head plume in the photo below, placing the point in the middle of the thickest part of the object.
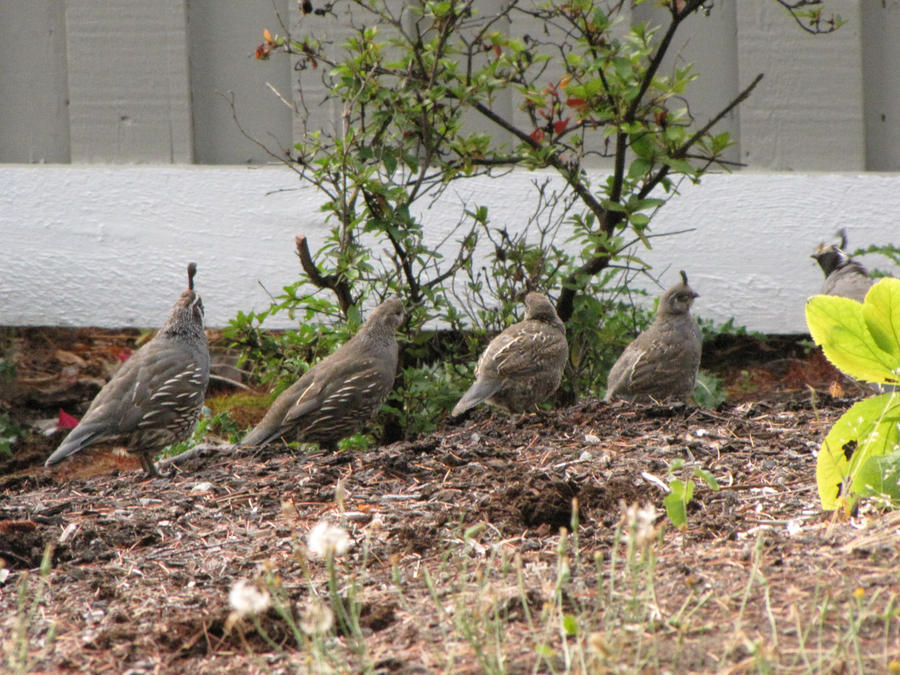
(843, 275)
(661, 362)
(155, 397)
(338, 396)
(524, 364)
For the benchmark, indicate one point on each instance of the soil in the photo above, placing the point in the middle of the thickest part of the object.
(141, 569)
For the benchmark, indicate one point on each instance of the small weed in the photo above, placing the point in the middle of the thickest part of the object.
(708, 392)
(682, 490)
(25, 649)
(9, 434)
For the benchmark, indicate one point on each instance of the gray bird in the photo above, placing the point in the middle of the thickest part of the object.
(843, 275)
(155, 397)
(524, 364)
(339, 395)
(661, 362)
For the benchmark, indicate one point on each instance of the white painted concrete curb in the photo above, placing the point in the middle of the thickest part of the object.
(107, 245)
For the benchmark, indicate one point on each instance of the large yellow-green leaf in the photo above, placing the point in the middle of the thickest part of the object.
(880, 477)
(838, 325)
(868, 429)
(881, 312)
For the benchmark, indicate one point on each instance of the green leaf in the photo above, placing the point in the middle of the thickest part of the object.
(638, 168)
(639, 219)
(881, 312)
(642, 146)
(868, 429)
(880, 476)
(838, 326)
(390, 162)
(545, 650)
(707, 477)
(570, 625)
(677, 500)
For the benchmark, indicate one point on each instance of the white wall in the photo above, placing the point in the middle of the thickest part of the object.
(107, 246)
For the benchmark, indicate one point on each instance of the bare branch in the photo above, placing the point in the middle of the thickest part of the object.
(332, 282)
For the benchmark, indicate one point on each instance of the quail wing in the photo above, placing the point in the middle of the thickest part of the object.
(150, 390)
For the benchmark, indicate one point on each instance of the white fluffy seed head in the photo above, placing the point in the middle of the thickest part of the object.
(326, 539)
(247, 599)
(316, 618)
(639, 520)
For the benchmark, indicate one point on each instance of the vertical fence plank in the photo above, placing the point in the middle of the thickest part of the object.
(128, 81)
(807, 113)
(223, 37)
(881, 82)
(708, 42)
(309, 88)
(34, 119)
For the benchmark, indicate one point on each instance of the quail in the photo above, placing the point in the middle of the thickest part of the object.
(524, 364)
(155, 397)
(340, 394)
(843, 275)
(661, 363)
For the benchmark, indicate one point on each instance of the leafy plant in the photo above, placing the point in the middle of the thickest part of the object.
(417, 86)
(9, 433)
(708, 392)
(208, 424)
(681, 491)
(889, 251)
(863, 341)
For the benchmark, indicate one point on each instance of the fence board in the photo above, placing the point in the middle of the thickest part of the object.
(709, 42)
(223, 37)
(881, 82)
(34, 120)
(807, 114)
(144, 81)
(128, 81)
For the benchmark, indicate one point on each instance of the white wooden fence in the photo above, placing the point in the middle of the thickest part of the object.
(138, 81)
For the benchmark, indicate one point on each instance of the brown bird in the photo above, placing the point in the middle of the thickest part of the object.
(155, 397)
(661, 362)
(339, 395)
(524, 364)
(843, 275)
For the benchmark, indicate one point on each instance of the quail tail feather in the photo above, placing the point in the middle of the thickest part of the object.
(78, 439)
(481, 390)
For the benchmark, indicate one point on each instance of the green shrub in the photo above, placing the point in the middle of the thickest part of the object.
(863, 341)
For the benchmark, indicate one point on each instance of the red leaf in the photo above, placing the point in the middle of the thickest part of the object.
(124, 355)
(66, 421)
(262, 52)
(537, 135)
(560, 126)
(577, 103)
(497, 50)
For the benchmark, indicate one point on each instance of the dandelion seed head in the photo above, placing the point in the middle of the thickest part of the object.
(639, 520)
(247, 599)
(325, 539)
(316, 618)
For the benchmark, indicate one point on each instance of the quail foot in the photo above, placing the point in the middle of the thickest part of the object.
(338, 396)
(524, 364)
(661, 363)
(155, 397)
(843, 275)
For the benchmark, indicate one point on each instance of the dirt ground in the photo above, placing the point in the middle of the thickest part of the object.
(457, 545)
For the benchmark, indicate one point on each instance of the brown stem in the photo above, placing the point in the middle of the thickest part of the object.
(565, 305)
(332, 282)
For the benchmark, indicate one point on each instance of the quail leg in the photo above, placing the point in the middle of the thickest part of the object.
(150, 468)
